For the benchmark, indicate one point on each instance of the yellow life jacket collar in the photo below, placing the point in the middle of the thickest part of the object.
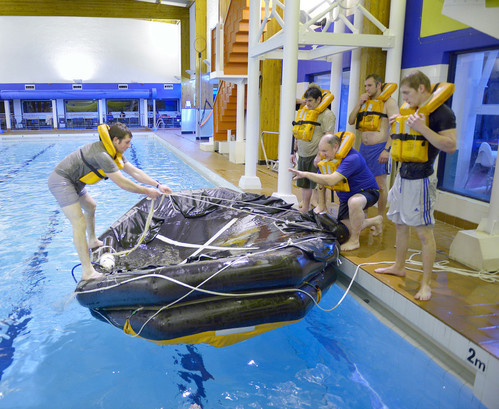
(106, 140)
(347, 140)
(306, 119)
(97, 174)
(440, 93)
(371, 112)
(407, 144)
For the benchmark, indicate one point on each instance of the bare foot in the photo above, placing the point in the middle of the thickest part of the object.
(93, 244)
(377, 226)
(350, 245)
(424, 293)
(390, 270)
(91, 275)
(319, 210)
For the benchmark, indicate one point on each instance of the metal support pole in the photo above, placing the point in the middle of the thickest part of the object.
(394, 55)
(249, 180)
(288, 100)
(336, 76)
(8, 122)
(353, 89)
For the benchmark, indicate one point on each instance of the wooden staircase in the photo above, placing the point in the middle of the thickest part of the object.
(236, 33)
(224, 111)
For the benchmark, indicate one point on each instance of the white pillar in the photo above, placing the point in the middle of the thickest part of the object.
(394, 55)
(8, 122)
(102, 105)
(143, 113)
(154, 114)
(353, 87)
(249, 180)
(337, 76)
(54, 114)
(288, 100)
(237, 147)
(240, 111)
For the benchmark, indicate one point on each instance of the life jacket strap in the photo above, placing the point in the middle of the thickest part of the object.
(306, 122)
(361, 115)
(93, 169)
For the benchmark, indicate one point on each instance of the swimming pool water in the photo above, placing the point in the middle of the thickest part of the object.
(53, 354)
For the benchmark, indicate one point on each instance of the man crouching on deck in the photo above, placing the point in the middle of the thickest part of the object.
(363, 191)
(88, 165)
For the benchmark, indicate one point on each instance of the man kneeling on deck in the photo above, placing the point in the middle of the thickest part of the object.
(356, 188)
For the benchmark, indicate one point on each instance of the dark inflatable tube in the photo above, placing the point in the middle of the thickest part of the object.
(214, 266)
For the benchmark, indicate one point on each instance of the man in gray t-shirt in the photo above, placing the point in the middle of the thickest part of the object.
(91, 163)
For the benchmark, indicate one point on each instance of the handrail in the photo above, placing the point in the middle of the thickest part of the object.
(263, 149)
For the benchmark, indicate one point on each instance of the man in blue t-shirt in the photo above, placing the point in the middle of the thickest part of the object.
(363, 192)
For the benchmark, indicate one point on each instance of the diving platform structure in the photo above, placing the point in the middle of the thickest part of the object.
(299, 40)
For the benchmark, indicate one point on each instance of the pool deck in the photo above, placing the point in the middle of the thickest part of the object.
(459, 326)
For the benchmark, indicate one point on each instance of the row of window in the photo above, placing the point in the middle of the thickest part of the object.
(83, 114)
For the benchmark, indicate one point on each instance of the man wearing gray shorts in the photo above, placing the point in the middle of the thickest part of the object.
(412, 197)
(92, 163)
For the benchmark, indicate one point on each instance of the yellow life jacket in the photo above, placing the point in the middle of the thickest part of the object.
(407, 144)
(97, 174)
(306, 119)
(371, 112)
(329, 167)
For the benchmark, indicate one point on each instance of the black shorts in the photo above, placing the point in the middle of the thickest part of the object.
(371, 195)
(306, 164)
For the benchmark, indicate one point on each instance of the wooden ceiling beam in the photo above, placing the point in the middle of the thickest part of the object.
(92, 8)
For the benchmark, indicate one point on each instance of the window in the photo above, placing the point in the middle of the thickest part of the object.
(470, 170)
(33, 107)
(75, 105)
(122, 105)
(165, 105)
(2, 108)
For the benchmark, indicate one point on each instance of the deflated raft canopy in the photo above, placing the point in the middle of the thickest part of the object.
(213, 266)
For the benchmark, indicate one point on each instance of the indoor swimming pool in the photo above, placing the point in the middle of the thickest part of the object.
(53, 354)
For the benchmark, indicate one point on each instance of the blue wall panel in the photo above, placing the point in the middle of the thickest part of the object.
(419, 52)
(90, 91)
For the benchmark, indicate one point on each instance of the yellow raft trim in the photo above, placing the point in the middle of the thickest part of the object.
(217, 339)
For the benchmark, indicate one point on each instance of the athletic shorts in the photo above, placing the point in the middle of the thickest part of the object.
(306, 164)
(371, 155)
(64, 191)
(412, 202)
(371, 195)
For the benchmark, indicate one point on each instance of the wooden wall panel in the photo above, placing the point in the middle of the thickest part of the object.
(92, 8)
(373, 60)
(270, 97)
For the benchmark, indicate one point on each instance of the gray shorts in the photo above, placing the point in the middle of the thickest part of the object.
(306, 164)
(65, 191)
(412, 202)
